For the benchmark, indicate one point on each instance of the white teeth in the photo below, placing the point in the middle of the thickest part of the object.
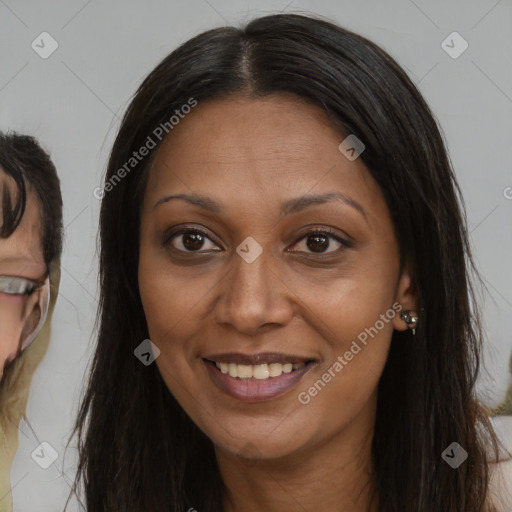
(275, 369)
(258, 371)
(244, 371)
(232, 370)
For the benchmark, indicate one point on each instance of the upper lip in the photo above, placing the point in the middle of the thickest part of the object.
(261, 358)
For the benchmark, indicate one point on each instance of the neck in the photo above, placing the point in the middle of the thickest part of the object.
(335, 474)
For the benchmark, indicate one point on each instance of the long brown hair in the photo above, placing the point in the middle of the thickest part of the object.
(138, 449)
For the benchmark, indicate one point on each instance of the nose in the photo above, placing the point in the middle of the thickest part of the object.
(253, 296)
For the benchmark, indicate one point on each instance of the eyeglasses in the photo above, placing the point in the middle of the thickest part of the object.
(14, 285)
(34, 303)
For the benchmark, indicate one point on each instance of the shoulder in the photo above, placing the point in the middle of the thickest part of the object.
(500, 485)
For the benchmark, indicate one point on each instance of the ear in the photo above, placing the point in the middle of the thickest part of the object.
(406, 296)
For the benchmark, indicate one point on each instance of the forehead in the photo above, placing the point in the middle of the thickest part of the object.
(262, 149)
(22, 250)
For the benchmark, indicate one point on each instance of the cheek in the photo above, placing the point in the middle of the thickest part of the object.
(356, 317)
(173, 302)
(350, 305)
(345, 384)
(364, 316)
(165, 309)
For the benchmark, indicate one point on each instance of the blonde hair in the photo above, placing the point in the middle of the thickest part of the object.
(15, 390)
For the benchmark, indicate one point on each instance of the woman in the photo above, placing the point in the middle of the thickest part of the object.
(30, 248)
(285, 305)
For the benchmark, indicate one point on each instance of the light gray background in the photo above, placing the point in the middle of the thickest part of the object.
(73, 100)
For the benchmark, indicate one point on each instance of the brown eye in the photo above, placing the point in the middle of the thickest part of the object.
(188, 240)
(319, 241)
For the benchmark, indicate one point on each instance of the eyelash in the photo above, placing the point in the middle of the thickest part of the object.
(323, 231)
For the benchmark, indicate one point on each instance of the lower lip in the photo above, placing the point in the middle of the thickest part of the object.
(256, 390)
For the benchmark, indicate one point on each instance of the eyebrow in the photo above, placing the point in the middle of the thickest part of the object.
(289, 206)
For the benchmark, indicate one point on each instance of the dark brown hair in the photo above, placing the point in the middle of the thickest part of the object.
(138, 449)
(24, 161)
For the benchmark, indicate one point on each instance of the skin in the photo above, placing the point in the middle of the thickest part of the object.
(21, 254)
(250, 156)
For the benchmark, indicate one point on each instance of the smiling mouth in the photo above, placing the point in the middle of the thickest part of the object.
(262, 371)
(257, 382)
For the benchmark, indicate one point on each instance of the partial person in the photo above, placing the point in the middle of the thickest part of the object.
(287, 320)
(30, 250)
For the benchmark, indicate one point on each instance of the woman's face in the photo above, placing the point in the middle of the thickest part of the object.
(21, 256)
(258, 282)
